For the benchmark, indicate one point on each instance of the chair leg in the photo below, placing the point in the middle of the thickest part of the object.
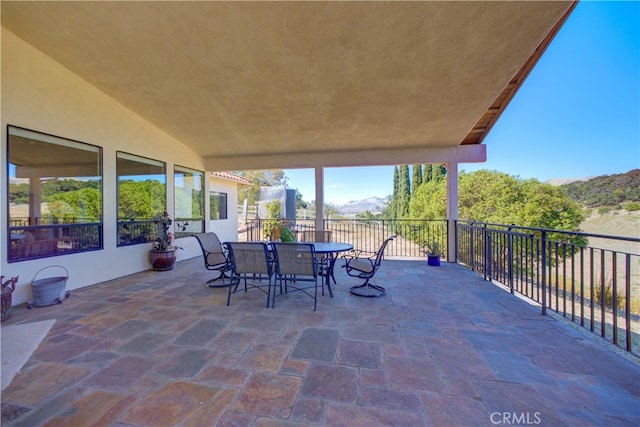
(315, 296)
(231, 286)
(221, 276)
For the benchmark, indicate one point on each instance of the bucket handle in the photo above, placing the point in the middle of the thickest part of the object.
(49, 266)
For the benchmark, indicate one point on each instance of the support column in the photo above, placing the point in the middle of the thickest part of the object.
(319, 198)
(35, 200)
(452, 210)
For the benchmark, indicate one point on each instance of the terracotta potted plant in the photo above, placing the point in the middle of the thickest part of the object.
(163, 251)
(433, 254)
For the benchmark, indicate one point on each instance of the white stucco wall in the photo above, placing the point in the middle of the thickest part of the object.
(226, 229)
(40, 94)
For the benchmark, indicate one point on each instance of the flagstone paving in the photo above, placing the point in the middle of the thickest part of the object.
(442, 348)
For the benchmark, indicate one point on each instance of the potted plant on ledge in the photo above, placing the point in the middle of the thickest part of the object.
(433, 254)
(163, 251)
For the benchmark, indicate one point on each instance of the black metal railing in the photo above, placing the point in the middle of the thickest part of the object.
(42, 241)
(583, 277)
(134, 232)
(368, 235)
(596, 287)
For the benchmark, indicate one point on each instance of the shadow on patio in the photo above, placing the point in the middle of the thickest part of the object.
(442, 348)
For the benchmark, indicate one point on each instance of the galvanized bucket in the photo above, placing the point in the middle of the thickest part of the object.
(49, 291)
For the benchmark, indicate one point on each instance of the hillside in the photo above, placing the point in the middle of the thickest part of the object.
(371, 204)
(606, 190)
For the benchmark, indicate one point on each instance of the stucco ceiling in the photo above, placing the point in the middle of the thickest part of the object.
(306, 80)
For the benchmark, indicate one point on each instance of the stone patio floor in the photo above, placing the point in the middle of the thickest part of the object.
(442, 348)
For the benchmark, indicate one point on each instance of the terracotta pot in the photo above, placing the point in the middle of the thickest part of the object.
(162, 260)
(7, 305)
(7, 297)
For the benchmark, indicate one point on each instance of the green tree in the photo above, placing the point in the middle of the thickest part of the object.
(259, 178)
(496, 197)
(84, 205)
(18, 193)
(141, 199)
(429, 201)
(367, 215)
(300, 204)
(427, 172)
(404, 192)
(393, 204)
(416, 177)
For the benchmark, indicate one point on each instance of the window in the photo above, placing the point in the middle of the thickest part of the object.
(142, 195)
(189, 201)
(218, 202)
(55, 195)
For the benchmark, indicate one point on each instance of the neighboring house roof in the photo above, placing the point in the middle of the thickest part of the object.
(231, 177)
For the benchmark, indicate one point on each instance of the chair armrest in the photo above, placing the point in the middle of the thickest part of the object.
(359, 253)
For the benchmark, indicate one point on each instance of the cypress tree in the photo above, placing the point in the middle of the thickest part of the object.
(416, 177)
(426, 175)
(395, 195)
(404, 191)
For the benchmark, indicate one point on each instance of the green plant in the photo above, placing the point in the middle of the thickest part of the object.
(164, 241)
(632, 207)
(433, 248)
(608, 295)
(274, 224)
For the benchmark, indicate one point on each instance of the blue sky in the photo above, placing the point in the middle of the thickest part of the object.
(576, 115)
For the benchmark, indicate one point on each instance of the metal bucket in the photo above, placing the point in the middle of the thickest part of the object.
(49, 291)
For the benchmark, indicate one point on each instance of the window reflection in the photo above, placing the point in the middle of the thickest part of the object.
(55, 195)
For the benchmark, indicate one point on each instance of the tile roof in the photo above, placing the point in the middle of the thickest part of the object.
(231, 177)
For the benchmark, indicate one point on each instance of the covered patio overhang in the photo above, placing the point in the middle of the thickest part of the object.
(256, 85)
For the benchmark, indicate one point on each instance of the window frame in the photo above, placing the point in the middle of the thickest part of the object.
(188, 225)
(140, 230)
(222, 215)
(37, 237)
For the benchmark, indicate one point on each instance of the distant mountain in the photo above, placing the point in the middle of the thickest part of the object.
(606, 190)
(371, 204)
(563, 181)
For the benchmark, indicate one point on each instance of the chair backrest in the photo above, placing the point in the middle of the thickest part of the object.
(250, 257)
(212, 248)
(380, 252)
(295, 259)
(315, 236)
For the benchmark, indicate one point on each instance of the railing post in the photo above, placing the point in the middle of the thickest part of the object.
(543, 242)
(472, 251)
(510, 259)
(487, 254)
(457, 242)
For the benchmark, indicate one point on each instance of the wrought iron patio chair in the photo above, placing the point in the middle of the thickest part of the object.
(364, 265)
(315, 235)
(296, 267)
(324, 261)
(251, 262)
(215, 257)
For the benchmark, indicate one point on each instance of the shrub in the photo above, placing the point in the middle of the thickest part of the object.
(604, 209)
(632, 207)
(608, 296)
